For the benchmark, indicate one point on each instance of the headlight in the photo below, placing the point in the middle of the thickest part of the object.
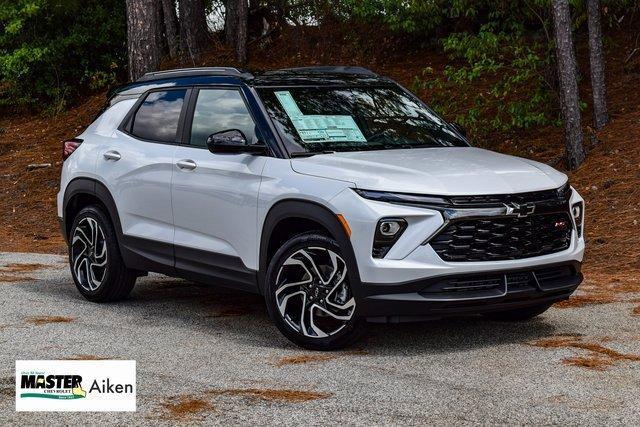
(402, 198)
(564, 192)
(577, 210)
(388, 231)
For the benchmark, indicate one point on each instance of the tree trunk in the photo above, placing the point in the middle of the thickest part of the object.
(596, 60)
(171, 27)
(230, 20)
(194, 34)
(236, 17)
(143, 48)
(567, 74)
(241, 32)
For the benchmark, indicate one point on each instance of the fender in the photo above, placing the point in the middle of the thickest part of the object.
(312, 211)
(98, 190)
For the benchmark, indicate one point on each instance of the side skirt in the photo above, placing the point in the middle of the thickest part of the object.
(191, 264)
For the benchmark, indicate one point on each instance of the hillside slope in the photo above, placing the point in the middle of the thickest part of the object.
(609, 180)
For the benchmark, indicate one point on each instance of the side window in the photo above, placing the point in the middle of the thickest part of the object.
(217, 110)
(157, 117)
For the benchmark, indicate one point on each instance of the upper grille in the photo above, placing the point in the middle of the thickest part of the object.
(560, 195)
(503, 238)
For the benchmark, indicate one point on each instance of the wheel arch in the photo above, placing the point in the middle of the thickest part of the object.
(82, 192)
(302, 213)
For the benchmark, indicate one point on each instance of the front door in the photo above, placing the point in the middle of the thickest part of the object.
(215, 195)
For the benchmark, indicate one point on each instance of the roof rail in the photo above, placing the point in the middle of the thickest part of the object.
(328, 69)
(193, 72)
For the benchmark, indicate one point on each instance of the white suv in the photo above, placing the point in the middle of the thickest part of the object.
(332, 191)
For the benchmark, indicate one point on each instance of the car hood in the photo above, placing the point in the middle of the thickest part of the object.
(440, 171)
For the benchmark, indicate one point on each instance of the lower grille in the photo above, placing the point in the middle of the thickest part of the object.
(556, 277)
(504, 238)
(494, 285)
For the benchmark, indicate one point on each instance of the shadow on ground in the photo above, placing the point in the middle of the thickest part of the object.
(242, 316)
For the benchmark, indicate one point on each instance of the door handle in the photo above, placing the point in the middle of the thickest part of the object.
(186, 164)
(112, 155)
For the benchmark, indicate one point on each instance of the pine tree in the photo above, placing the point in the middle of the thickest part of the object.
(568, 76)
(143, 45)
(596, 60)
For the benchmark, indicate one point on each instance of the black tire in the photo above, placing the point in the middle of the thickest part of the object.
(338, 290)
(518, 315)
(117, 280)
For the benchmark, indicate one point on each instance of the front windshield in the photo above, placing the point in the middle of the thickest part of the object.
(317, 119)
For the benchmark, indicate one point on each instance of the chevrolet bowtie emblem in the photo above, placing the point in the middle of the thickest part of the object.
(522, 210)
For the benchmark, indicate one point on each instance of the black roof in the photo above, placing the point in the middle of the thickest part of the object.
(304, 76)
(194, 72)
(235, 72)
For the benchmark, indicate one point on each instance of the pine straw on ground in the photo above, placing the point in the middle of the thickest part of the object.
(302, 359)
(273, 395)
(605, 287)
(593, 362)
(45, 320)
(184, 408)
(193, 408)
(305, 358)
(599, 357)
(13, 273)
(21, 268)
(28, 217)
(7, 278)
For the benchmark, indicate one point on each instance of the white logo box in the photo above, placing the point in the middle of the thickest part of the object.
(76, 385)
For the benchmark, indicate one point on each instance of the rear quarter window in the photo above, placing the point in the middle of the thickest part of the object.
(158, 116)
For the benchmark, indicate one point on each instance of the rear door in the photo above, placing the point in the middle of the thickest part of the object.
(137, 166)
(215, 195)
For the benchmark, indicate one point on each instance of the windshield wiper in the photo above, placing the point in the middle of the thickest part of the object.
(309, 153)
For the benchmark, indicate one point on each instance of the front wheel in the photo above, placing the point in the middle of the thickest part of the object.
(309, 295)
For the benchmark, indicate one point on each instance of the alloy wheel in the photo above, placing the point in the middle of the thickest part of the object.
(89, 254)
(313, 293)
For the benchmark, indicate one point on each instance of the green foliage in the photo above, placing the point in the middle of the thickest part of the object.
(52, 49)
(511, 71)
(426, 16)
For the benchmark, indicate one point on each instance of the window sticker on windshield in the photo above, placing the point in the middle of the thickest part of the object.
(289, 104)
(320, 128)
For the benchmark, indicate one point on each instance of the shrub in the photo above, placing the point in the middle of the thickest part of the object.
(51, 50)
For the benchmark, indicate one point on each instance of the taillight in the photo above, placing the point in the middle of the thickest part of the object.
(69, 146)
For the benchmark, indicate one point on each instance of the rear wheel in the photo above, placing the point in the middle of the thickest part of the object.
(94, 257)
(309, 295)
(518, 315)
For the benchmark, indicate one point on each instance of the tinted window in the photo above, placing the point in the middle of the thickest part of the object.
(219, 110)
(354, 119)
(157, 118)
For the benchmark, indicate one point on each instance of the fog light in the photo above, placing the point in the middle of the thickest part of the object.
(389, 228)
(387, 234)
(577, 210)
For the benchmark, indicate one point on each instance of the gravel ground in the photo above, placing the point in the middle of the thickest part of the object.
(212, 356)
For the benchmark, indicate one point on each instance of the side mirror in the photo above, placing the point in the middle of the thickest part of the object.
(233, 141)
(459, 128)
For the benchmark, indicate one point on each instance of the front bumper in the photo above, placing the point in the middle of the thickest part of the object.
(466, 294)
(412, 258)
